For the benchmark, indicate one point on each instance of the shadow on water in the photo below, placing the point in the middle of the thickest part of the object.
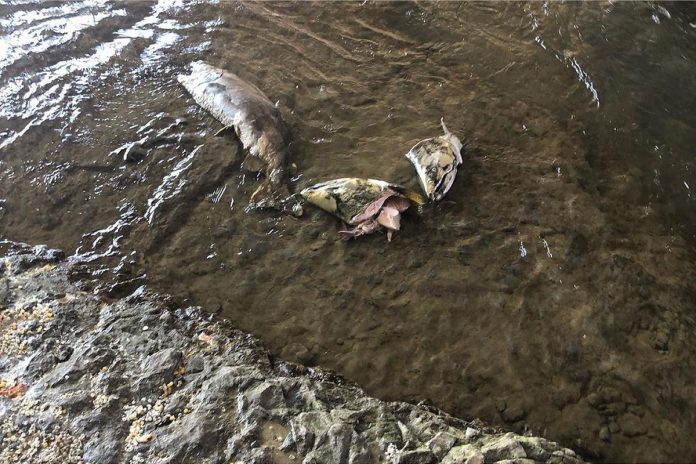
(551, 291)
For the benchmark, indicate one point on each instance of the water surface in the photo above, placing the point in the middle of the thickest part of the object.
(552, 290)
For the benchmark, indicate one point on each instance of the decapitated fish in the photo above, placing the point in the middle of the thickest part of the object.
(367, 205)
(436, 161)
(256, 120)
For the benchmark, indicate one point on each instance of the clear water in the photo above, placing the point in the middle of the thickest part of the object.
(553, 289)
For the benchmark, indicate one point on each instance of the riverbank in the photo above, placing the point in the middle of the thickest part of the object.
(140, 380)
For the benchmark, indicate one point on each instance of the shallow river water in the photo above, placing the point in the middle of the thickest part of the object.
(551, 291)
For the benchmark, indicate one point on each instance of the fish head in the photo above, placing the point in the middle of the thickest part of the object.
(445, 182)
(322, 195)
(456, 146)
(436, 161)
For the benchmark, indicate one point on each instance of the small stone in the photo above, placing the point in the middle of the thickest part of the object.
(194, 365)
(604, 434)
(514, 461)
(632, 425)
(143, 438)
(613, 427)
(471, 433)
(506, 447)
(441, 443)
(298, 353)
(64, 353)
(417, 457)
(462, 454)
(513, 413)
(145, 328)
(288, 443)
(535, 448)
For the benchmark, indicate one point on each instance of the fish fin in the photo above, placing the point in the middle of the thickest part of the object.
(444, 128)
(222, 131)
(346, 234)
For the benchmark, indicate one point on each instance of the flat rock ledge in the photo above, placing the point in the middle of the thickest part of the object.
(139, 380)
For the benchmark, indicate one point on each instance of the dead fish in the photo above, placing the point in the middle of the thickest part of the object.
(256, 121)
(367, 205)
(436, 161)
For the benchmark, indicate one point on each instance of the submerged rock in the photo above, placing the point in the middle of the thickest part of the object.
(189, 389)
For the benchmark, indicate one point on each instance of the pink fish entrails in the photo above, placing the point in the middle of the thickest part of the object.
(384, 212)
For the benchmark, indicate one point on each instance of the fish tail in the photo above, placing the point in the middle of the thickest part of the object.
(265, 196)
(270, 195)
(442, 121)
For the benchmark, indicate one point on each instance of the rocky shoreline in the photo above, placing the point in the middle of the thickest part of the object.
(140, 380)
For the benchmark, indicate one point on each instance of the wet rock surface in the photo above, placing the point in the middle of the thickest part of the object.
(138, 379)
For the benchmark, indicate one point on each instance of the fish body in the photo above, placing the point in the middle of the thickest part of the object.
(255, 119)
(436, 161)
(367, 205)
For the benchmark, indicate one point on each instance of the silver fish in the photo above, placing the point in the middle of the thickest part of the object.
(255, 119)
(436, 161)
(367, 205)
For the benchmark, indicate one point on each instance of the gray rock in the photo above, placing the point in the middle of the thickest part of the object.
(441, 443)
(537, 449)
(471, 433)
(462, 454)
(195, 365)
(102, 448)
(417, 457)
(517, 461)
(513, 413)
(158, 369)
(106, 391)
(265, 395)
(506, 447)
(64, 353)
(631, 425)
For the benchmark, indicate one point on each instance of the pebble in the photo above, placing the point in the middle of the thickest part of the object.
(471, 433)
(144, 438)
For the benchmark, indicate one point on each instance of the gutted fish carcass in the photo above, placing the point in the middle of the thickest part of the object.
(368, 205)
(255, 119)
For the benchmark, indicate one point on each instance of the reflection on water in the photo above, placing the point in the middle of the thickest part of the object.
(551, 291)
